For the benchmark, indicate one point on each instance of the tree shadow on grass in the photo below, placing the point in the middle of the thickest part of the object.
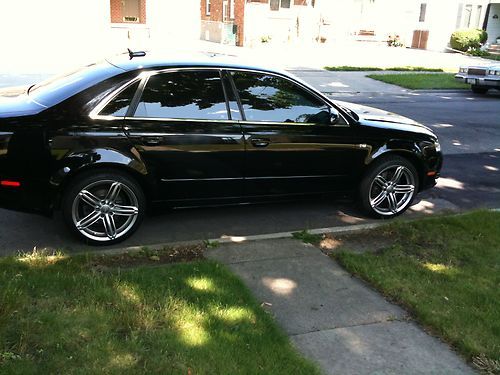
(60, 315)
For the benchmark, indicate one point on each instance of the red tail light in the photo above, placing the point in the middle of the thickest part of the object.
(10, 183)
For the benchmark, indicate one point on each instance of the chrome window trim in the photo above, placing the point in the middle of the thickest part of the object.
(144, 76)
(94, 114)
(310, 90)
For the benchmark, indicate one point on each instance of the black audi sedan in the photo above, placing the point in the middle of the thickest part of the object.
(105, 142)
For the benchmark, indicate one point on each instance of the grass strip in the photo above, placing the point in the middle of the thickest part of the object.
(347, 68)
(446, 271)
(421, 81)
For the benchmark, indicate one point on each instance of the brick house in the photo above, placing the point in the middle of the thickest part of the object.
(246, 22)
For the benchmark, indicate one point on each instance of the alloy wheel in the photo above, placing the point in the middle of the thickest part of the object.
(105, 210)
(392, 190)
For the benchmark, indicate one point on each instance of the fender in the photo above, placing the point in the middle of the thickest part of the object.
(400, 146)
(75, 162)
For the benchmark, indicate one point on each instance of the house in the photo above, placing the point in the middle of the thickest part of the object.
(492, 26)
(425, 24)
(249, 22)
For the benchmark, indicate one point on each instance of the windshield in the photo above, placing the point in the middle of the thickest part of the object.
(56, 89)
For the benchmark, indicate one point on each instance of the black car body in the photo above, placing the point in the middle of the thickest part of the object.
(196, 131)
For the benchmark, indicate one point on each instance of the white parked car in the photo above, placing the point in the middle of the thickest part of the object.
(481, 78)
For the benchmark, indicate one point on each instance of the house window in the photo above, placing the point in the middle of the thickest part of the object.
(467, 15)
(423, 11)
(225, 10)
(277, 4)
(478, 16)
(459, 16)
(231, 10)
(207, 7)
(131, 10)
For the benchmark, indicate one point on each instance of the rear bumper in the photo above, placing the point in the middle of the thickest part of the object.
(26, 198)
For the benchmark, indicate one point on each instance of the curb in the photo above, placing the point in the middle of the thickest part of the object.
(279, 235)
(230, 239)
(239, 239)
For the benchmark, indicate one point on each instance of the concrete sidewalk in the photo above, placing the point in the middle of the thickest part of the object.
(331, 317)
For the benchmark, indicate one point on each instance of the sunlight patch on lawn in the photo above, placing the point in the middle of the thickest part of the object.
(123, 361)
(41, 258)
(439, 268)
(236, 314)
(201, 283)
(129, 293)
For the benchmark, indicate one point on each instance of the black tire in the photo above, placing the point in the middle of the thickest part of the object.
(381, 179)
(103, 207)
(479, 89)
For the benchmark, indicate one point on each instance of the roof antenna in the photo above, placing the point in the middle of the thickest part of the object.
(133, 54)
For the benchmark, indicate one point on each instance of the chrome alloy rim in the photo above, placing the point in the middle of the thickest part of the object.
(392, 190)
(105, 210)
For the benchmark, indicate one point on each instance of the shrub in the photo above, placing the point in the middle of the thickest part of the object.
(464, 40)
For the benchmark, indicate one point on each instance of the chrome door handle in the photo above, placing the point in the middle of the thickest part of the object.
(151, 141)
(260, 142)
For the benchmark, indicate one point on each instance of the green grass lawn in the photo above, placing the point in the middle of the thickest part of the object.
(347, 68)
(446, 271)
(421, 81)
(85, 315)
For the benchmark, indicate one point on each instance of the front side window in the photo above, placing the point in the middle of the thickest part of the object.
(274, 99)
(184, 95)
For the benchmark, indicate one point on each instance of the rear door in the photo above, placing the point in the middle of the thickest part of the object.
(182, 128)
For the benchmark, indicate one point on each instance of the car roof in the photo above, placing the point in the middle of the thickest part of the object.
(165, 60)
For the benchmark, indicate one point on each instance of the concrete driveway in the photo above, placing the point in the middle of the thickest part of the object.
(468, 126)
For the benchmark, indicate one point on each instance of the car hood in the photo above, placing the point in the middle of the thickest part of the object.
(15, 102)
(374, 117)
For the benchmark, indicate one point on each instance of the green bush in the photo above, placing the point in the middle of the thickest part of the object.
(464, 40)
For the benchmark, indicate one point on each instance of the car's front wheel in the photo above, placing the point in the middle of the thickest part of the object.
(103, 208)
(479, 89)
(389, 187)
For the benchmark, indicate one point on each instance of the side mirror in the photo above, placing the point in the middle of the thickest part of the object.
(334, 116)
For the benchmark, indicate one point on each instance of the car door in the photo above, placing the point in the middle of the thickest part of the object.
(292, 145)
(183, 130)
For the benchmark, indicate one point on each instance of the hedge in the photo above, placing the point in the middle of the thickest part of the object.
(464, 40)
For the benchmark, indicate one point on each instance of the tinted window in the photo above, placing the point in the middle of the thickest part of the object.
(271, 98)
(119, 105)
(184, 95)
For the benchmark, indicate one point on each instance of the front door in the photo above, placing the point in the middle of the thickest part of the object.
(292, 146)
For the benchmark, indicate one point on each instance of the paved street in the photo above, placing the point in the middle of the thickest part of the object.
(468, 126)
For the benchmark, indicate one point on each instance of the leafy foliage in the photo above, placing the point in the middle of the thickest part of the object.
(465, 40)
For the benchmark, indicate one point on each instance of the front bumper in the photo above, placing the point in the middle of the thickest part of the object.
(476, 80)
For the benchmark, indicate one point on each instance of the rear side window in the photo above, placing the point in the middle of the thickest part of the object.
(274, 99)
(118, 107)
(184, 95)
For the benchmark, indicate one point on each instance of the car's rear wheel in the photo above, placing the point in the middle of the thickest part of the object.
(104, 208)
(389, 187)
(479, 89)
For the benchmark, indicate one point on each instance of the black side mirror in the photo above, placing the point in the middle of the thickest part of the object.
(334, 116)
